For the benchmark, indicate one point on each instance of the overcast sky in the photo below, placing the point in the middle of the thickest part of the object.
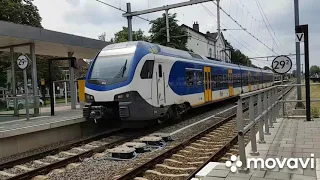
(90, 18)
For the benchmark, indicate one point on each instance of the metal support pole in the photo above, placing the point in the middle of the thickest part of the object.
(282, 97)
(14, 88)
(275, 105)
(167, 25)
(129, 18)
(270, 111)
(265, 108)
(218, 17)
(254, 151)
(76, 87)
(65, 93)
(240, 126)
(25, 78)
(260, 125)
(34, 80)
(54, 93)
(307, 74)
(299, 105)
(72, 87)
(51, 89)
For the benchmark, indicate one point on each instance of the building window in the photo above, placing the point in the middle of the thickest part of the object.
(147, 70)
(66, 74)
(210, 52)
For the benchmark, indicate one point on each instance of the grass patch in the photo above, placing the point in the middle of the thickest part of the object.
(314, 94)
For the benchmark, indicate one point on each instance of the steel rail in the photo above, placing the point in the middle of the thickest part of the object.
(216, 156)
(151, 163)
(62, 163)
(70, 145)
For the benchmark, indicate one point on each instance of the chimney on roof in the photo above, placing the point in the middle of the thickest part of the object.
(196, 26)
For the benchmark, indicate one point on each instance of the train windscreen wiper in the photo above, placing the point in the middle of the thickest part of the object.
(122, 70)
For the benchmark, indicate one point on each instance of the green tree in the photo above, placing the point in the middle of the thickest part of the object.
(314, 70)
(102, 37)
(26, 13)
(237, 57)
(178, 38)
(20, 12)
(122, 36)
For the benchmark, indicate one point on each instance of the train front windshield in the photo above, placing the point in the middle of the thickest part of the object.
(110, 69)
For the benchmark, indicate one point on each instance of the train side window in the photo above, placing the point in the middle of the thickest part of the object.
(199, 78)
(147, 70)
(213, 81)
(189, 78)
(226, 82)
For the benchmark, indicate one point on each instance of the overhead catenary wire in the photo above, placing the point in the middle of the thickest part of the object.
(258, 3)
(120, 9)
(245, 29)
(213, 17)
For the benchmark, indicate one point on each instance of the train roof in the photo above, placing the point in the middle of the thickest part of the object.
(171, 52)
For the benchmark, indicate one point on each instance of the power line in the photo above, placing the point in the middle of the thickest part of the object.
(248, 11)
(245, 29)
(210, 14)
(265, 23)
(120, 9)
(269, 23)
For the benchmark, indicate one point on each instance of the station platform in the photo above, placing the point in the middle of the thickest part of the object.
(21, 135)
(290, 138)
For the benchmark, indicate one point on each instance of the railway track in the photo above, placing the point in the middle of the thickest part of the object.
(69, 155)
(43, 163)
(53, 159)
(216, 143)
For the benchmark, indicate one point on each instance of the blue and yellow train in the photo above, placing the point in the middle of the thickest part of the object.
(140, 81)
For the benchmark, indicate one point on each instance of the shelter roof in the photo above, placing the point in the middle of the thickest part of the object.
(47, 42)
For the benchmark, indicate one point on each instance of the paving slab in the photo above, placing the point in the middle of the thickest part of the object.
(289, 138)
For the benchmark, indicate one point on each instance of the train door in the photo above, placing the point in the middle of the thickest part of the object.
(249, 81)
(230, 81)
(160, 84)
(207, 84)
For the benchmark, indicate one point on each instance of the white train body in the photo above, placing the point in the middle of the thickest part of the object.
(140, 81)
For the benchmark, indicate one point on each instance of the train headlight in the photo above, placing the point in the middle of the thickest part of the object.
(89, 98)
(123, 96)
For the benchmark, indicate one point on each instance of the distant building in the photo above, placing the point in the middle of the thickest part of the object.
(211, 45)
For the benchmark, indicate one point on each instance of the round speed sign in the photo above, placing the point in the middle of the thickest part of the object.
(281, 64)
(22, 62)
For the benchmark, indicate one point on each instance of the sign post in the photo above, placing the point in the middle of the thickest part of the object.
(22, 63)
(282, 65)
(303, 31)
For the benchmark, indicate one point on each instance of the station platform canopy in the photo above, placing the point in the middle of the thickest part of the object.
(47, 42)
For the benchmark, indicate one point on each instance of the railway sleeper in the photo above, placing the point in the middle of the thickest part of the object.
(40, 162)
(55, 158)
(166, 175)
(68, 153)
(140, 178)
(182, 157)
(23, 168)
(57, 171)
(175, 168)
(201, 149)
(7, 174)
(179, 162)
(40, 177)
(73, 165)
